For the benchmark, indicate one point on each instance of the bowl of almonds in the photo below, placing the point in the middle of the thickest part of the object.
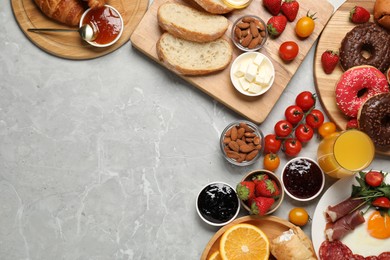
(241, 143)
(249, 33)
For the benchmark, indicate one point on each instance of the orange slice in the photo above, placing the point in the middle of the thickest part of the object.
(215, 256)
(244, 241)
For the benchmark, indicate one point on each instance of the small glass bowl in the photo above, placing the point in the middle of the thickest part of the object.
(262, 29)
(249, 176)
(303, 165)
(221, 195)
(224, 144)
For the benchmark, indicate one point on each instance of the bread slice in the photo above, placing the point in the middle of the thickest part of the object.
(190, 24)
(193, 58)
(214, 6)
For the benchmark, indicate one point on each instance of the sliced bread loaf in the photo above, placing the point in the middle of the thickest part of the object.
(214, 6)
(193, 58)
(190, 24)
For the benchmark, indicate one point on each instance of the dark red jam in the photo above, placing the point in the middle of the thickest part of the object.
(302, 178)
(218, 203)
(107, 21)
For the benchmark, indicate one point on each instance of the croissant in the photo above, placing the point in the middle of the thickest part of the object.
(64, 11)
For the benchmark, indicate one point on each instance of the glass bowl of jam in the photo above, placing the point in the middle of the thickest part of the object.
(303, 179)
(217, 204)
(107, 24)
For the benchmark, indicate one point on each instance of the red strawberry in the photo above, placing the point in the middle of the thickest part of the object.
(277, 191)
(260, 177)
(290, 9)
(352, 124)
(266, 188)
(359, 14)
(273, 6)
(329, 60)
(276, 25)
(246, 190)
(261, 205)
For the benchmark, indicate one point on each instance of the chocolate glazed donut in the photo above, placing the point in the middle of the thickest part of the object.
(374, 120)
(368, 38)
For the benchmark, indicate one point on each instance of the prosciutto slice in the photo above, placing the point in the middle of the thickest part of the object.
(333, 213)
(337, 230)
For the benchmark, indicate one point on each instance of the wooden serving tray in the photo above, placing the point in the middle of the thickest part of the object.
(70, 45)
(218, 85)
(330, 39)
(272, 226)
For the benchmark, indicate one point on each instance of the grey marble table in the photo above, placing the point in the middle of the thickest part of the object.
(103, 159)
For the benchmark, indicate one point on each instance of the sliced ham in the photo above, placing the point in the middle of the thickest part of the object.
(333, 213)
(337, 230)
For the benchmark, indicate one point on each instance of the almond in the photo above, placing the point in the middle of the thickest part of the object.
(256, 140)
(246, 127)
(254, 30)
(250, 156)
(238, 33)
(243, 25)
(245, 42)
(234, 146)
(240, 132)
(246, 148)
(248, 19)
(240, 142)
(233, 134)
(254, 42)
(233, 155)
(226, 140)
(250, 135)
(242, 157)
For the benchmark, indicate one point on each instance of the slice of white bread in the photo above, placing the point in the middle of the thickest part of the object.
(190, 24)
(214, 6)
(193, 58)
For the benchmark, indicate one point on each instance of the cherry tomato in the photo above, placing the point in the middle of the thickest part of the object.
(298, 216)
(288, 50)
(283, 128)
(327, 129)
(293, 114)
(292, 147)
(305, 25)
(304, 133)
(381, 202)
(315, 118)
(271, 144)
(271, 162)
(374, 178)
(305, 100)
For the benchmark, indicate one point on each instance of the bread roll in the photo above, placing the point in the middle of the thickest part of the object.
(190, 24)
(382, 13)
(193, 58)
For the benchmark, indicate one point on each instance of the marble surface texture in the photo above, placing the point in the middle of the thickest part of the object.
(104, 158)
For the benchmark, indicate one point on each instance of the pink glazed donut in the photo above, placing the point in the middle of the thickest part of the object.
(356, 85)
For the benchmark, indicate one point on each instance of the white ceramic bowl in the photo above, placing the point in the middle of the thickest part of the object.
(113, 10)
(225, 196)
(244, 60)
(305, 185)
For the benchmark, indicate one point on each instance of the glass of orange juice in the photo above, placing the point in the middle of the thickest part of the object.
(342, 154)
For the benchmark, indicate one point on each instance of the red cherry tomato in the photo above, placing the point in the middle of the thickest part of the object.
(381, 202)
(304, 133)
(374, 178)
(283, 128)
(288, 50)
(292, 147)
(271, 144)
(293, 114)
(315, 118)
(305, 100)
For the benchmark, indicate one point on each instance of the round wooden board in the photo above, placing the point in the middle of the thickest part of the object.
(330, 39)
(69, 45)
(272, 226)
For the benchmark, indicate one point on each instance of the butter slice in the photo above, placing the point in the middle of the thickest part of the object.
(240, 70)
(258, 59)
(244, 83)
(254, 88)
(251, 72)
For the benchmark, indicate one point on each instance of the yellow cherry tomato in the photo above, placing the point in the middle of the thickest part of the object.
(305, 25)
(271, 161)
(298, 216)
(327, 129)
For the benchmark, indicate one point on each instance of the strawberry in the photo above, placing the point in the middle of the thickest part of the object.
(276, 25)
(290, 9)
(352, 124)
(329, 60)
(246, 190)
(273, 6)
(261, 205)
(260, 177)
(266, 188)
(359, 14)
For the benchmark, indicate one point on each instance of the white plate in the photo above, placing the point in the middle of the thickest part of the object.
(335, 194)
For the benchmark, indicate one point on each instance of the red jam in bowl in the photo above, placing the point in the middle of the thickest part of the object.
(302, 178)
(108, 23)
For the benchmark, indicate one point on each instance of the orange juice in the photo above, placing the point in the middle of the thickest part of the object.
(342, 154)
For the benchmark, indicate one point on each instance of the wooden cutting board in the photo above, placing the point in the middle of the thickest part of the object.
(330, 39)
(70, 45)
(218, 85)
